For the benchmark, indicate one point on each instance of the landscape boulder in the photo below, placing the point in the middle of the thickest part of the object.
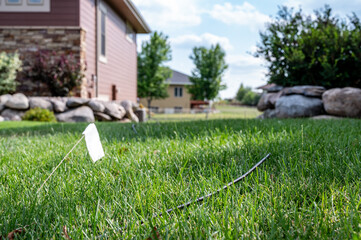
(99, 116)
(37, 102)
(96, 106)
(58, 106)
(4, 98)
(268, 101)
(12, 115)
(128, 107)
(308, 91)
(17, 101)
(269, 113)
(81, 114)
(295, 106)
(114, 110)
(76, 102)
(2, 106)
(2, 119)
(344, 102)
(321, 117)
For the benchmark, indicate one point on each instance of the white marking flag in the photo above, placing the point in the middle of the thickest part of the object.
(93, 142)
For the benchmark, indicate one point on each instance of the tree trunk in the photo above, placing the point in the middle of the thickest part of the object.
(149, 101)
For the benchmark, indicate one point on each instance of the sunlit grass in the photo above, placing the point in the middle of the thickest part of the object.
(224, 112)
(308, 189)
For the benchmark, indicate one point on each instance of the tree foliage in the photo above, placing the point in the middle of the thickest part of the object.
(207, 76)
(303, 50)
(10, 64)
(246, 96)
(152, 74)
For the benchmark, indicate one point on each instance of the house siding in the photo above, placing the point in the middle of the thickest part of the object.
(62, 13)
(171, 101)
(88, 23)
(121, 66)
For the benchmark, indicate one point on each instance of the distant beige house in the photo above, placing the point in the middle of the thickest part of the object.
(179, 99)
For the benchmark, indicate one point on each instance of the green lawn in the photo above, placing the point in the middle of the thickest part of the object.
(225, 112)
(308, 189)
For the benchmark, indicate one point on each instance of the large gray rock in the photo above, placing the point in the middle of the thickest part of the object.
(81, 114)
(327, 117)
(96, 106)
(268, 101)
(99, 116)
(2, 106)
(38, 102)
(308, 91)
(12, 115)
(2, 119)
(295, 106)
(345, 102)
(269, 113)
(114, 110)
(76, 102)
(128, 107)
(18, 101)
(4, 98)
(59, 106)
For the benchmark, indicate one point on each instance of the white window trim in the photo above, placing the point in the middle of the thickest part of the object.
(12, 4)
(36, 4)
(126, 32)
(102, 9)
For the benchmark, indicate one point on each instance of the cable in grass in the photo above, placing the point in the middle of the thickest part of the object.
(135, 130)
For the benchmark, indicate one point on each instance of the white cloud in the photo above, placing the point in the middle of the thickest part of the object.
(206, 39)
(166, 14)
(244, 15)
(243, 68)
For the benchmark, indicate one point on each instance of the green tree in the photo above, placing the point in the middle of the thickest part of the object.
(10, 64)
(207, 76)
(242, 91)
(152, 74)
(251, 98)
(301, 50)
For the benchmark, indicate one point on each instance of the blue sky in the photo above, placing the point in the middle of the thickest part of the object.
(235, 24)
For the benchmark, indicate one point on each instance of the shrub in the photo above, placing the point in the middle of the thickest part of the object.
(251, 98)
(61, 73)
(304, 50)
(39, 114)
(10, 64)
(246, 96)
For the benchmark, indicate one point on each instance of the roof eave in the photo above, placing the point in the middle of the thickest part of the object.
(144, 26)
(128, 10)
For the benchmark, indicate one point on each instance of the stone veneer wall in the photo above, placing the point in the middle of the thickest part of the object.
(29, 40)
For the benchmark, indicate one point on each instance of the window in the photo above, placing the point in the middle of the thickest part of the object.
(102, 32)
(13, 2)
(178, 92)
(130, 33)
(35, 2)
(178, 109)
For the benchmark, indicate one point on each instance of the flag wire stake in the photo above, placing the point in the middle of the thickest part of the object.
(60, 163)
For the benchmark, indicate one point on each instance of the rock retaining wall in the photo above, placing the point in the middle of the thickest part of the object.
(29, 40)
(311, 101)
(13, 107)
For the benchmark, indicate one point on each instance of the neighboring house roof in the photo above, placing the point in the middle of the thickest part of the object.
(128, 10)
(179, 78)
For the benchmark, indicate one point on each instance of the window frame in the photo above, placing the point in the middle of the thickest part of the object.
(102, 13)
(129, 32)
(14, 4)
(36, 4)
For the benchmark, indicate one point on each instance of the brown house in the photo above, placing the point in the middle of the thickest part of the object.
(179, 99)
(101, 34)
